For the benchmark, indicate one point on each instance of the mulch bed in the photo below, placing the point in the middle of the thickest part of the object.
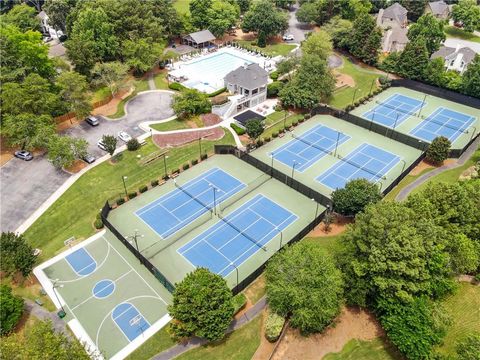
(181, 138)
(211, 119)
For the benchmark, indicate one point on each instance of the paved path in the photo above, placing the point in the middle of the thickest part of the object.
(195, 342)
(403, 194)
(43, 314)
(151, 82)
(297, 29)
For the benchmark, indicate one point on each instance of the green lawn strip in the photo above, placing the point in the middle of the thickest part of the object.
(174, 124)
(274, 117)
(100, 94)
(355, 349)
(139, 85)
(464, 310)
(280, 125)
(75, 211)
(238, 345)
(330, 244)
(450, 176)
(31, 292)
(182, 6)
(453, 32)
(256, 289)
(159, 342)
(271, 49)
(363, 81)
(405, 181)
(160, 80)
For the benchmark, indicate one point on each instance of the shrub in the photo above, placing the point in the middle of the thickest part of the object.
(273, 326)
(132, 195)
(274, 88)
(120, 201)
(185, 166)
(239, 130)
(355, 196)
(438, 150)
(307, 116)
(165, 177)
(259, 142)
(98, 224)
(278, 107)
(295, 123)
(267, 139)
(176, 86)
(239, 301)
(384, 80)
(275, 134)
(194, 162)
(274, 75)
(143, 189)
(154, 183)
(302, 119)
(219, 100)
(133, 145)
(218, 92)
(12, 309)
(203, 157)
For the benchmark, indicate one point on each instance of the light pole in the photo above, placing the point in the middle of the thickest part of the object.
(54, 286)
(404, 165)
(200, 145)
(285, 119)
(354, 93)
(134, 237)
(236, 269)
(281, 237)
(271, 166)
(371, 86)
(124, 185)
(336, 144)
(293, 167)
(371, 121)
(214, 198)
(316, 209)
(165, 157)
(423, 103)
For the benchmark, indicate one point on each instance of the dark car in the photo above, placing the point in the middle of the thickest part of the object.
(89, 158)
(92, 120)
(24, 155)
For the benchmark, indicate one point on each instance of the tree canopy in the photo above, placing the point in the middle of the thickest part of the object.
(365, 39)
(22, 16)
(355, 196)
(17, 254)
(190, 102)
(467, 12)
(74, 93)
(471, 78)
(414, 59)
(254, 128)
(319, 44)
(303, 283)
(438, 150)
(430, 29)
(202, 306)
(11, 309)
(64, 150)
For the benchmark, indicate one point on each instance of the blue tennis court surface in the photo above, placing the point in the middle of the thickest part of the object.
(394, 110)
(171, 212)
(309, 147)
(129, 320)
(217, 248)
(366, 161)
(443, 122)
(81, 262)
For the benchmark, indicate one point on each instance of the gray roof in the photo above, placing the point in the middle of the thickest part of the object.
(399, 35)
(42, 15)
(450, 53)
(201, 36)
(397, 12)
(249, 76)
(438, 7)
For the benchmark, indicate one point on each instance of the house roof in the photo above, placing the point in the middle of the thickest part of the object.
(450, 53)
(42, 15)
(249, 76)
(396, 12)
(201, 36)
(438, 7)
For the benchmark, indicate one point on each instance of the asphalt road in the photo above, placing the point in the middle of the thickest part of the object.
(298, 30)
(26, 185)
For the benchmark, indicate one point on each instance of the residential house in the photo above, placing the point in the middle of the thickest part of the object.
(456, 59)
(393, 21)
(439, 9)
(200, 39)
(250, 81)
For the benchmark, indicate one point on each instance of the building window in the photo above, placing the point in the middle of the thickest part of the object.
(254, 91)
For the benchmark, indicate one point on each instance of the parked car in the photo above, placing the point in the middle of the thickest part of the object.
(89, 158)
(123, 135)
(288, 37)
(101, 145)
(92, 120)
(24, 155)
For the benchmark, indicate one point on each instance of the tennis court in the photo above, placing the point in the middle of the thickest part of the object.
(186, 203)
(309, 147)
(367, 162)
(394, 110)
(443, 122)
(236, 237)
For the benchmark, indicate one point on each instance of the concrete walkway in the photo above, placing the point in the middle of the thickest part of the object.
(43, 314)
(176, 350)
(403, 194)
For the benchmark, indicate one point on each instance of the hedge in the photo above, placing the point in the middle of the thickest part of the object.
(132, 195)
(203, 156)
(274, 75)
(238, 129)
(143, 189)
(154, 183)
(239, 301)
(120, 201)
(186, 166)
(98, 224)
(218, 92)
(273, 326)
(176, 86)
(194, 162)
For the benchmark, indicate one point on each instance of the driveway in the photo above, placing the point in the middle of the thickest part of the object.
(297, 29)
(26, 185)
(453, 42)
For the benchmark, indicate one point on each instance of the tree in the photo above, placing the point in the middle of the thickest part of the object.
(264, 19)
(287, 65)
(284, 4)
(467, 12)
(303, 283)
(22, 16)
(17, 254)
(202, 306)
(435, 72)
(189, 103)
(351, 9)
(471, 78)
(64, 150)
(254, 128)
(110, 142)
(319, 44)
(365, 39)
(199, 13)
(438, 150)
(110, 74)
(11, 309)
(244, 5)
(308, 13)
(355, 196)
(415, 8)
(29, 131)
(222, 15)
(142, 54)
(414, 59)
(41, 341)
(390, 254)
(74, 93)
(340, 31)
(467, 347)
(465, 254)
(58, 11)
(430, 29)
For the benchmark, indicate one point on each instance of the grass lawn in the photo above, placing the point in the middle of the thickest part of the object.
(75, 211)
(159, 342)
(405, 181)
(239, 345)
(139, 85)
(271, 49)
(279, 126)
(160, 80)
(453, 32)
(330, 244)
(256, 289)
(177, 124)
(464, 310)
(376, 349)
(363, 81)
(100, 94)
(182, 6)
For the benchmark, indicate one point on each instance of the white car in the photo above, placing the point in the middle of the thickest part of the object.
(123, 135)
(288, 37)
(101, 145)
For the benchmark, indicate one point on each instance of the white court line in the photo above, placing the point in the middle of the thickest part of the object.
(77, 272)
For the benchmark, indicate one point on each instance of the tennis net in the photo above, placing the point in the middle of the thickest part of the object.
(208, 207)
(411, 112)
(263, 247)
(349, 161)
(300, 138)
(251, 186)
